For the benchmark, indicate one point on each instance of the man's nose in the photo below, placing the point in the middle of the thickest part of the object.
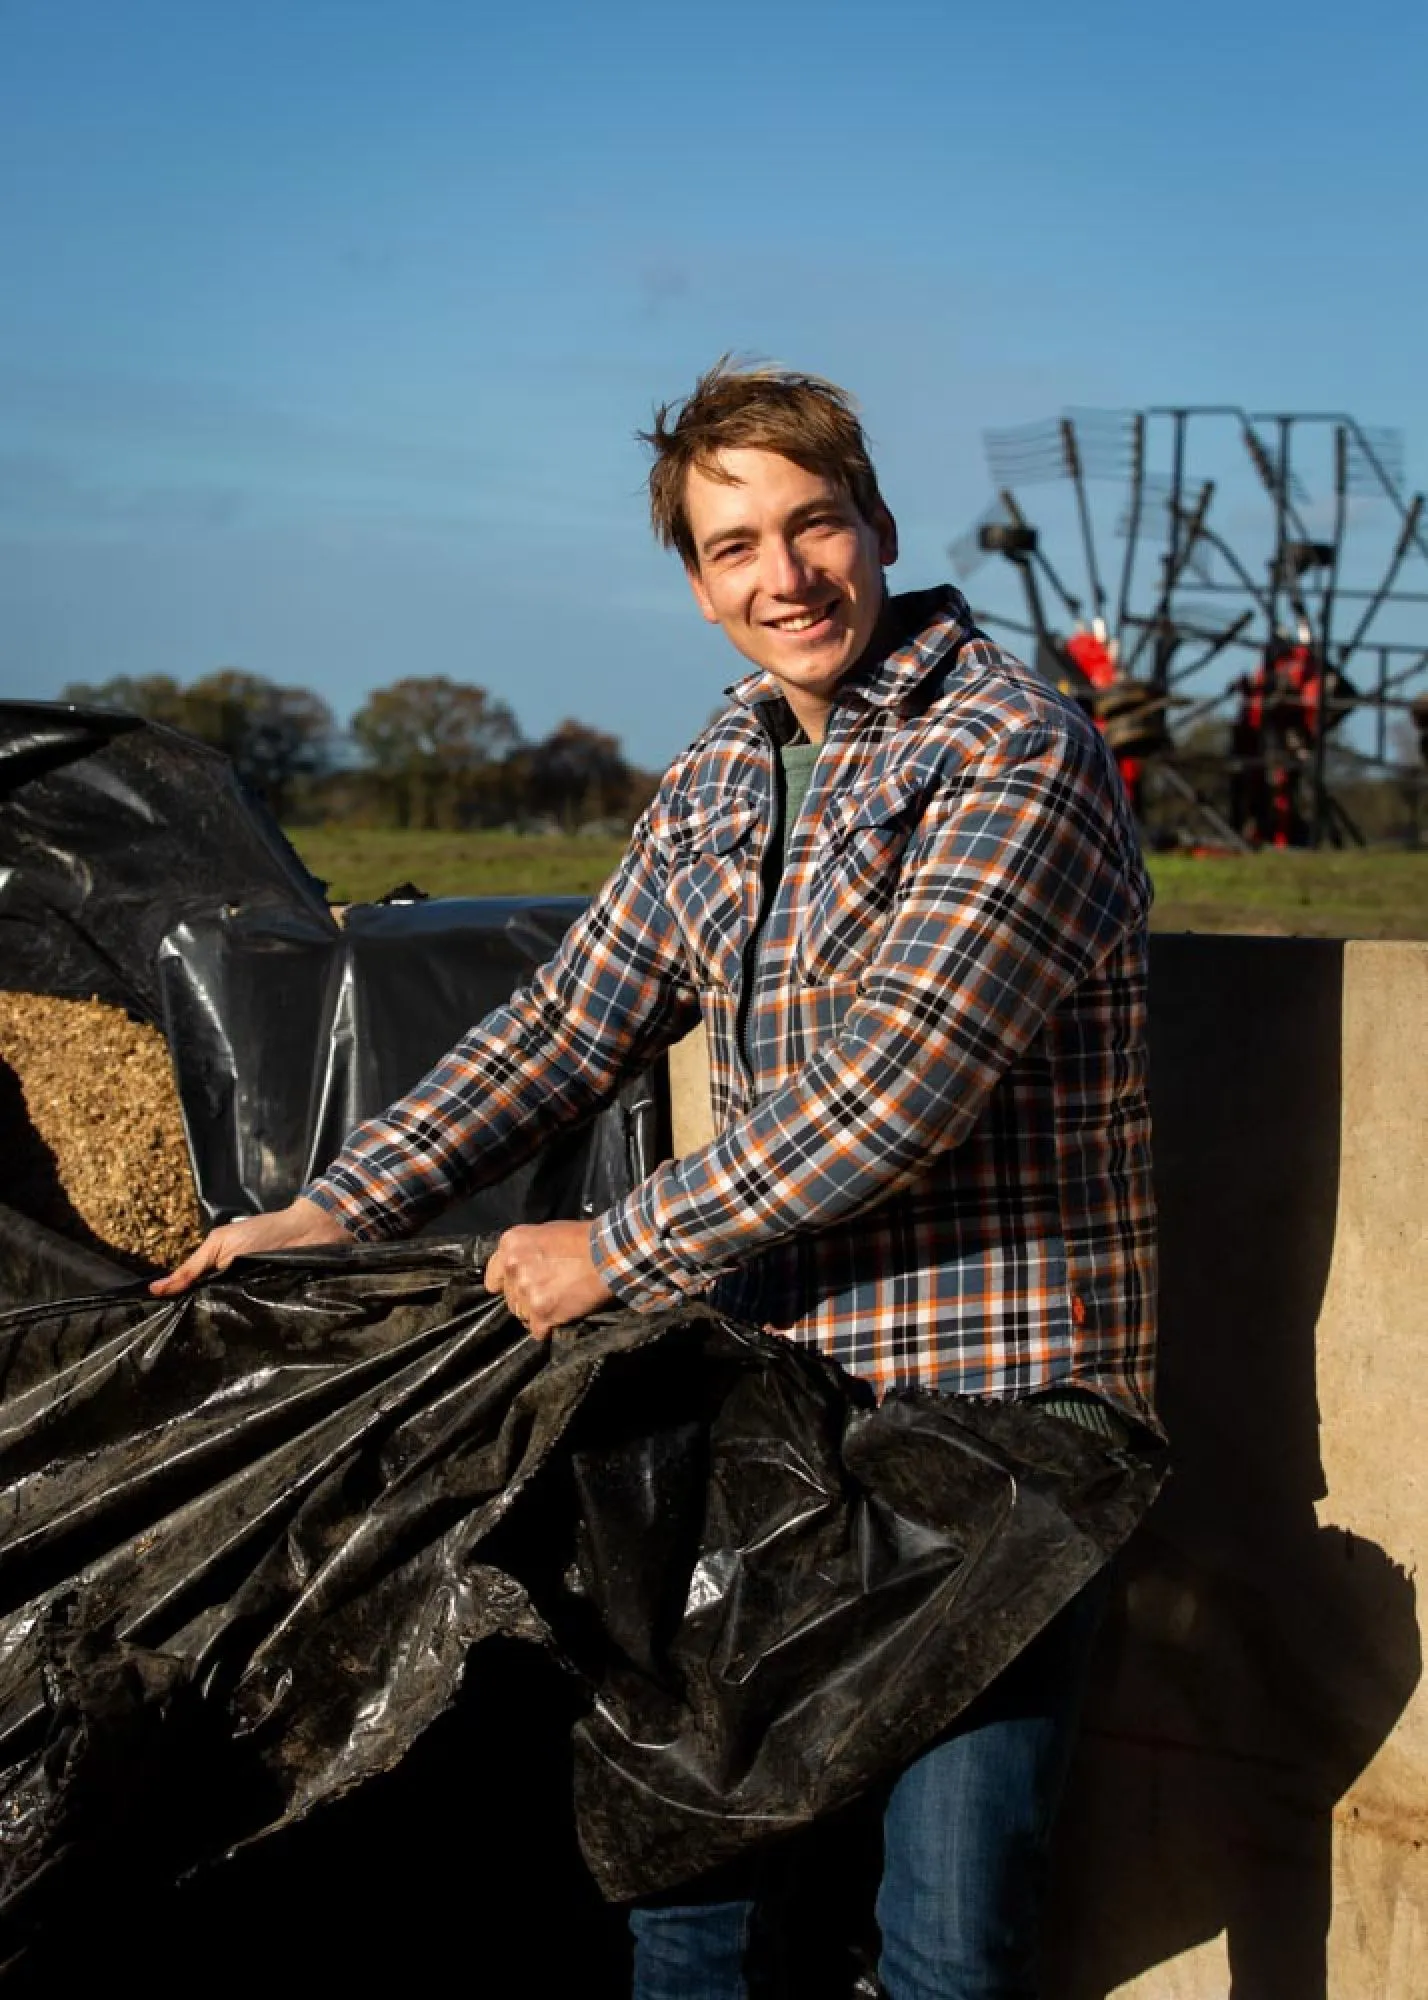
(785, 573)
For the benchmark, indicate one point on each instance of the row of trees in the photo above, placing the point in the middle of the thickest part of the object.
(425, 752)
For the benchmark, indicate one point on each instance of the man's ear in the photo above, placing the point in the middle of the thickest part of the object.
(887, 536)
(701, 595)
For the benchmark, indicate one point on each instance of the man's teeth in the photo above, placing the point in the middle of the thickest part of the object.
(802, 622)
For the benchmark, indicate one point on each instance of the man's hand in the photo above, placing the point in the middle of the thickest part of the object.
(548, 1275)
(300, 1226)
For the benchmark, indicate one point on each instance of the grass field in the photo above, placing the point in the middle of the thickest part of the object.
(359, 864)
(1370, 893)
(1360, 894)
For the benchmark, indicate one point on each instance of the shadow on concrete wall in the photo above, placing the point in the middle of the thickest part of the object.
(1254, 1661)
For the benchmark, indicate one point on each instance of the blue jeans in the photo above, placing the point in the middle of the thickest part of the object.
(966, 1836)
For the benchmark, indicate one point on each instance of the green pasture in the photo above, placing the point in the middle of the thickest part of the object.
(359, 864)
(1362, 893)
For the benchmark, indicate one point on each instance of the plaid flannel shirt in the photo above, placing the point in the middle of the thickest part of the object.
(932, 1159)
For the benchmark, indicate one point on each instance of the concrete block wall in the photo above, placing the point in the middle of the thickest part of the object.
(1249, 1809)
(1249, 1813)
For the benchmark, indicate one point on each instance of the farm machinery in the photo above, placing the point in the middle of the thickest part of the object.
(1249, 647)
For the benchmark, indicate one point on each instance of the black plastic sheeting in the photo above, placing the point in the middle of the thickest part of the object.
(256, 1537)
(285, 1034)
(37, 1263)
(111, 830)
(135, 867)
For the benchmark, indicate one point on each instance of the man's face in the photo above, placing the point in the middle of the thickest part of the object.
(786, 564)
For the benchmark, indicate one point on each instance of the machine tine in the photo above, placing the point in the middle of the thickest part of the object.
(1137, 498)
(1407, 536)
(1217, 646)
(1071, 449)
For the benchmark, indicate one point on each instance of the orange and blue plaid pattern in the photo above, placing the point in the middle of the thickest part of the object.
(933, 1159)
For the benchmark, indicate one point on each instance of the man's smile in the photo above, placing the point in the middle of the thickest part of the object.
(803, 621)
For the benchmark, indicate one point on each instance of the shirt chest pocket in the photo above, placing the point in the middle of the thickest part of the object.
(710, 859)
(853, 884)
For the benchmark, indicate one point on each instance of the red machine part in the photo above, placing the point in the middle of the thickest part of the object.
(1096, 658)
(1279, 717)
(1093, 656)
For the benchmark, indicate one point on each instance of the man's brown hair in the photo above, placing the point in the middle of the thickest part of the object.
(742, 408)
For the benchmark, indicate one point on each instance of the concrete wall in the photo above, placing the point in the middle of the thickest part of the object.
(1249, 1811)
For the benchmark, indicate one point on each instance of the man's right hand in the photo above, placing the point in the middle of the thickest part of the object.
(300, 1226)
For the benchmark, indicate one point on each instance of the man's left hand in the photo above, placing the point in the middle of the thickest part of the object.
(548, 1275)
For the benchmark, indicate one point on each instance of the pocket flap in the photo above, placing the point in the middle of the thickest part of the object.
(894, 802)
(711, 829)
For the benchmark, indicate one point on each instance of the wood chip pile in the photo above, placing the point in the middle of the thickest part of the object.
(91, 1141)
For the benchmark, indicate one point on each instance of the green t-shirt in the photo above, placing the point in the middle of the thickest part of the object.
(798, 760)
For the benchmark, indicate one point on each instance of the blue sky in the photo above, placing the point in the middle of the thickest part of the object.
(329, 323)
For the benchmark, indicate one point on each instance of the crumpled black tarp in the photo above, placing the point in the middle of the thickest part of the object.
(254, 1536)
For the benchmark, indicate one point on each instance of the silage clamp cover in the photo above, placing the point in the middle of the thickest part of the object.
(258, 1532)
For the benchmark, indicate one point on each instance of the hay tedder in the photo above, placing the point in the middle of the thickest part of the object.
(1251, 644)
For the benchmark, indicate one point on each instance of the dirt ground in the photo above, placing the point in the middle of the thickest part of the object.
(91, 1139)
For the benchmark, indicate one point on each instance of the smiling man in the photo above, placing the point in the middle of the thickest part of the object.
(786, 563)
(898, 880)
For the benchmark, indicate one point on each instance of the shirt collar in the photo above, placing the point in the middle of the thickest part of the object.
(934, 622)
